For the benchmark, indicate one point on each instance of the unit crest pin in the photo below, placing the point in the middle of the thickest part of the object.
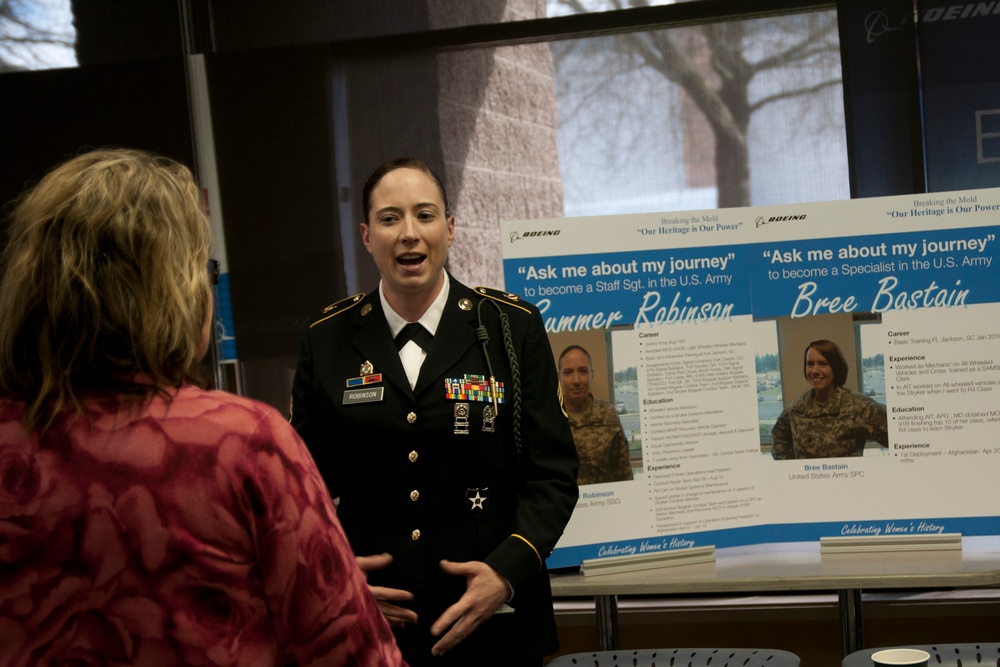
(478, 497)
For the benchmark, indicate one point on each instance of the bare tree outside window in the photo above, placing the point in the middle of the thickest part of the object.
(693, 111)
(36, 34)
(560, 8)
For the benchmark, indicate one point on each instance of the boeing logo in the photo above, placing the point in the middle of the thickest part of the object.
(514, 236)
(879, 22)
(778, 218)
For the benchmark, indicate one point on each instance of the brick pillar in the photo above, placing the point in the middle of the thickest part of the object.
(497, 123)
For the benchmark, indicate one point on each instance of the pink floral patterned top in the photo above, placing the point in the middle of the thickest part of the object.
(195, 531)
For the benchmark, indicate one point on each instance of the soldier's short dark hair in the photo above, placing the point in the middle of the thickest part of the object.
(393, 165)
(570, 349)
(831, 352)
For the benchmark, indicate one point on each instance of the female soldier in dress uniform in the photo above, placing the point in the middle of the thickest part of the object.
(431, 410)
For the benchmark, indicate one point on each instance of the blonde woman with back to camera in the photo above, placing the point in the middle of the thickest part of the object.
(145, 520)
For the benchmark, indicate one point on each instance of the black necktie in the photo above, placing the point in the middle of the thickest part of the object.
(417, 333)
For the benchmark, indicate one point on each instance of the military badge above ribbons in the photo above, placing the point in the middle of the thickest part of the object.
(368, 376)
(359, 389)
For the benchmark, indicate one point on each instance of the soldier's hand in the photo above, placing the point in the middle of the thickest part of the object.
(395, 615)
(485, 592)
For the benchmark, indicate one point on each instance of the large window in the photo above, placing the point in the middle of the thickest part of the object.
(36, 34)
(735, 113)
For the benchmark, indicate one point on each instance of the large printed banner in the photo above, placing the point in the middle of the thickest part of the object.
(704, 318)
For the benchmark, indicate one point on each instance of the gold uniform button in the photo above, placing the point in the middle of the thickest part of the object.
(414, 495)
(415, 535)
(413, 456)
(412, 417)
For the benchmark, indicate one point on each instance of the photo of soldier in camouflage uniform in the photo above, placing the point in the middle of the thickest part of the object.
(828, 420)
(597, 430)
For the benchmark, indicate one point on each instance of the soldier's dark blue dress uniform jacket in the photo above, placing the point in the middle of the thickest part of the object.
(408, 467)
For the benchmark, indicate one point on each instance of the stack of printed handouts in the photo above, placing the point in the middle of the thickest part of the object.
(648, 561)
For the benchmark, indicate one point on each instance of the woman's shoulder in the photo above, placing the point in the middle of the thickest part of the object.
(225, 399)
(220, 407)
(234, 425)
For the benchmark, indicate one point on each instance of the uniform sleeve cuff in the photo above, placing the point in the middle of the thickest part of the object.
(517, 560)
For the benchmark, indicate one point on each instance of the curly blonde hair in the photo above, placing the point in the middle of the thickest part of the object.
(105, 289)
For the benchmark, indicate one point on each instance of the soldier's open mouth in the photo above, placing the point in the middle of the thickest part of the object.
(411, 260)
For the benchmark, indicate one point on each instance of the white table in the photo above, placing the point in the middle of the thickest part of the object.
(790, 567)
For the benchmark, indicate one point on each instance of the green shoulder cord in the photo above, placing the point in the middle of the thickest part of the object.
(515, 371)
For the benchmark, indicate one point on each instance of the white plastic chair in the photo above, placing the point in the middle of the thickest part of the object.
(681, 657)
(942, 655)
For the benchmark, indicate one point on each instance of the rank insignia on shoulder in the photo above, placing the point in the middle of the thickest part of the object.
(339, 307)
(497, 294)
(471, 387)
(502, 297)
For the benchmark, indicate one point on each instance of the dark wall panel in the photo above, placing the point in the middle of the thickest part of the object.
(881, 97)
(272, 122)
(49, 116)
(959, 52)
(246, 24)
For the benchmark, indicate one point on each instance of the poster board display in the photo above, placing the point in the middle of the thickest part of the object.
(703, 319)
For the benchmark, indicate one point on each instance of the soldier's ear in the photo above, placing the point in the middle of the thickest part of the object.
(366, 236)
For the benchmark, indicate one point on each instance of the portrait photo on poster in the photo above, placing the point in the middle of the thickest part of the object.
(600, 396)
(821, 386)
